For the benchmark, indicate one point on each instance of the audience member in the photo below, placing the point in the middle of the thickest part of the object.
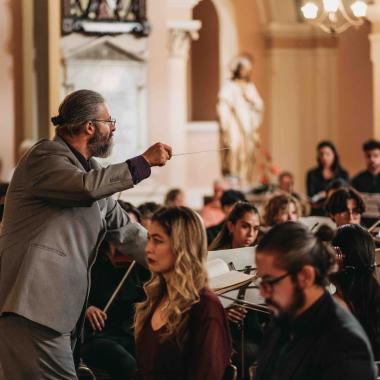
(147, 210)
(109, 338)
(286, 186)
(175, 197)
(345, 206)
(319, 178)
(228, 200)
(356, 283)
(181, 329)
(280, 209)
(240, 229)
(312, 337)
(286, 182)
(212, 213)
(368, 181)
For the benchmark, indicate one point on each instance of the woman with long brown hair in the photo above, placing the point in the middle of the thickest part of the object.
(181, 329)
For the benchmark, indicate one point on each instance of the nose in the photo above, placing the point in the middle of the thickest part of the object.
(148, 247)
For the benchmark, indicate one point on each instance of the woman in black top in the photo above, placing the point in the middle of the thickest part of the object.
(319, 178)
(356, 281)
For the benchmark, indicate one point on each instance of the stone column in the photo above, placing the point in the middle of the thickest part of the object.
(180, 35)
(374, 37)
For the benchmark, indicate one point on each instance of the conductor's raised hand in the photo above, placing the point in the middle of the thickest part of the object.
(158, 154)
(96, 317)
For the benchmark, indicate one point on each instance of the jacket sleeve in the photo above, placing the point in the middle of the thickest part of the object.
(350, 359)
(54, 176)
(129, 238)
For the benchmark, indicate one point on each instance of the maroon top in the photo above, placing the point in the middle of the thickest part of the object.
(206, 354)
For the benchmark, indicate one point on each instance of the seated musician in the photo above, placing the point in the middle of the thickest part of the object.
(345, 206)
(281, 208)
(109, 338)
(312, 337)
(241, 230)
(181, 329)
(356, 282)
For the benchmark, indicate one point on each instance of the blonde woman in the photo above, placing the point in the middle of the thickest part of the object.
(181, 329)
(280, 209)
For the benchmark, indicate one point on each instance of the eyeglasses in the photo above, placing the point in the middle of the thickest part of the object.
(111, 121)
(267, 284)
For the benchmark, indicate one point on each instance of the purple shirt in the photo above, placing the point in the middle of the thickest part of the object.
(138, 166)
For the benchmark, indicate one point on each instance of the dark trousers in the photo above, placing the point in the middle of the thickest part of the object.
(29, 350)
(111, 355)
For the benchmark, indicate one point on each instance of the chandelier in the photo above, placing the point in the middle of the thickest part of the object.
(334, 16)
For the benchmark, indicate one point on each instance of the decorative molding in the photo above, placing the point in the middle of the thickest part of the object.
(373, 12)
(187, 4)
(181, 33)
(300, 43)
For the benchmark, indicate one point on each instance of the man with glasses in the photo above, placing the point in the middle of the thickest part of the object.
(58, 210)
(311, 337)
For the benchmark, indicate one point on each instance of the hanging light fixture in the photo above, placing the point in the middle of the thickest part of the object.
(334, 16)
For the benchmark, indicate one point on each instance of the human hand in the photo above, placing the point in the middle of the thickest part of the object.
(236, 314)
(158, 154)
(96, 317)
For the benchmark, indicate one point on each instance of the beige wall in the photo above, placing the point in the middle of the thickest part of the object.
(355, 117)
(252, 41)
(10, 79)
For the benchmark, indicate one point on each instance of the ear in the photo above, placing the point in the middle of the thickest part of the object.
(89, 128)
(306, 276)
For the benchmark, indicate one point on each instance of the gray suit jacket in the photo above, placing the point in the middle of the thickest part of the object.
(56, 216)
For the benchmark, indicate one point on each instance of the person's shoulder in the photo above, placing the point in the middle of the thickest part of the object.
(313, 171)
(46, 146)
(209, 305)
(362, 174)
(345, 331)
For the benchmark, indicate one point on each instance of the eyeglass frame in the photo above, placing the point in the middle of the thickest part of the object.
(268, 284)
(112, 121)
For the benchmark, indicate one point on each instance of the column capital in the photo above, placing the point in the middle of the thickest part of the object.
(184, 4)
(181, 33)
(373, 12)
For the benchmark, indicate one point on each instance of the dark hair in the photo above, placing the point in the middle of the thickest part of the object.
(336, 163)
(147, 209)
(338, 201)
(294, 247)
(230, 197)
(236, 72)
(277, 204)
(224, 238)
(171, 196)
(356, 280)
(285, 174)
(336, 184)
(76, 109)
(371, 145)
(129, 208)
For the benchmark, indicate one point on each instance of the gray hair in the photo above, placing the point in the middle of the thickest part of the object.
(75, 110)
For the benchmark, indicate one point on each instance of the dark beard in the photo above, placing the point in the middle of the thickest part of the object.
(99, 145)
(285, 318)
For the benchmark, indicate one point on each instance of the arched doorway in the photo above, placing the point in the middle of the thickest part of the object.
(205, 61)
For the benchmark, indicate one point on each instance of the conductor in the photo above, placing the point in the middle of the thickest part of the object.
(57, 212)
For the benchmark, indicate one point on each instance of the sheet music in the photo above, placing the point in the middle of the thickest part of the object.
(240, 257)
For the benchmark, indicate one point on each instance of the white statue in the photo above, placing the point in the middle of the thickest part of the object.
(240, 113)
